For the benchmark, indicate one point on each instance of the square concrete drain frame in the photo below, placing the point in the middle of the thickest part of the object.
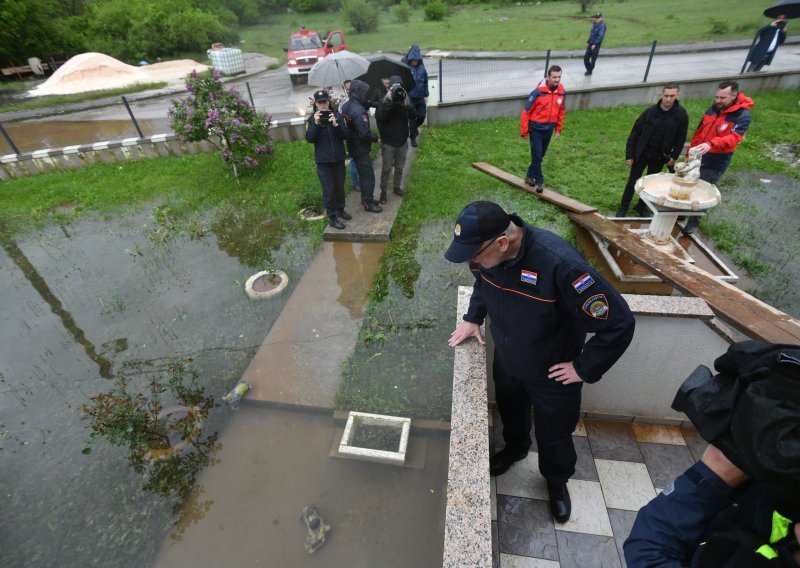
(395, 457)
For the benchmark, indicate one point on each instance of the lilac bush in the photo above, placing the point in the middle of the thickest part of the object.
(222, 117)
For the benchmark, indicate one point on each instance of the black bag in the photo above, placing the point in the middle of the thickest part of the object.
(750, 410)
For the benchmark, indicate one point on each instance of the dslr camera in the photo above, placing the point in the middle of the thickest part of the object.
(398, 93)
(324, 117)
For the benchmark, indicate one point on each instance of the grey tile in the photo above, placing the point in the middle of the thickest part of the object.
(584, 469)
(665, 462)
(525, 528)
(495, 547)
(697, 445)
(621, 524)
(577, 550)
(613, 441)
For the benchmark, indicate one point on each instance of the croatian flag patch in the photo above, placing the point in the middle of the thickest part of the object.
(529, 277)
(582, 283)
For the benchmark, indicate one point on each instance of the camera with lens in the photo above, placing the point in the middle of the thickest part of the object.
(324, 117)
(398, 93)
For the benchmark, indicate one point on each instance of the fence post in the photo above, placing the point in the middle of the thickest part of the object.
(749, 51)
(547, 63)
(440, 80)
(8, 139)
(133, 118)
(649, 61)
(250, 94)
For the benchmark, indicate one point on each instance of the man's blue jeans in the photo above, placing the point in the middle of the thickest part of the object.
(540, 140)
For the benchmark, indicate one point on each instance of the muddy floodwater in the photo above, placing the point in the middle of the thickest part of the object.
(86, 301)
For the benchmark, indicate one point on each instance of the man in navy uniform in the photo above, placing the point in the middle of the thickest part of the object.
(543, 299)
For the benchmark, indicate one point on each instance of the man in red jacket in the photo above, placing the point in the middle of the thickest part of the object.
(720, 130)
(543, 114)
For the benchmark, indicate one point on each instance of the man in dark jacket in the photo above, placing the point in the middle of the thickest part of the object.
(327, 131)
(720, 130)
(393, 114)
(656, 139)
(359, 141)
(542, 298)
(596, 36)
(419, 94)
(768, 39)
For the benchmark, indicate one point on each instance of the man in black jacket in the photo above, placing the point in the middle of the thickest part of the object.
(392, 115)
(769, 38)
(656, 139)
(543, 299)
(359, 141)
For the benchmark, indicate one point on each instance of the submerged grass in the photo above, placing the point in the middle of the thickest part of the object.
(55, 100)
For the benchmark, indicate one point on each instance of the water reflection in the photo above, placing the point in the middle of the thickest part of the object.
(356, 265)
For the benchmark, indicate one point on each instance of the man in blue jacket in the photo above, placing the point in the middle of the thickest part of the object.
(542, 298)
(419, 94)
(596, 36)
(359, 141)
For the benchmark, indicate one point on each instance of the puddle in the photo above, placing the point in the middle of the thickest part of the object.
(80, 306)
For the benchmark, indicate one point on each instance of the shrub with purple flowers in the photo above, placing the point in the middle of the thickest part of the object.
(222, 117)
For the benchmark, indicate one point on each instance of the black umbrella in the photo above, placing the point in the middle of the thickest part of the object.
(382, 66)
(791, 8)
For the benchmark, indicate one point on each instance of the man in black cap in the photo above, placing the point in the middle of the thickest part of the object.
(543, 299)
(596, 36)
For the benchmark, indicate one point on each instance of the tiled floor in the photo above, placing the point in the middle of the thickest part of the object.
(621, 466)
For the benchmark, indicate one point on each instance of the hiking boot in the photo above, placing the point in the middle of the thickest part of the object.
(383, 197)
(539, 188)
(335, 223)
(344, 215)
(399, 192)
(530, 182)
(371, 206)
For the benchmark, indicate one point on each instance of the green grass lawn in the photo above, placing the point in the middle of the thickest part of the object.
(549, 25)
(54, 100)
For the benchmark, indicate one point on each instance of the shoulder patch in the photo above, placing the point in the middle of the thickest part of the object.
(596, 306)
(529, 277)
(582, 283)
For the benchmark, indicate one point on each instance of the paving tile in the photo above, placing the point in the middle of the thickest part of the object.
(626, 485)
(584, 468)
(493, 496)
(577, 550)
(697, 445)
(523, 479)
(589, 513)
(621, 524)
(613, 441)
(495, 546)
(511, 561)
(525, 528)
(665, 462)
(658, 434)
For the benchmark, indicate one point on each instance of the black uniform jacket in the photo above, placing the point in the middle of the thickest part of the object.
(328, 141)
(541, 305)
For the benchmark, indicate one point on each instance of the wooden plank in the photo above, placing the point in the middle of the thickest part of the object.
(751, 315)
(551, 196)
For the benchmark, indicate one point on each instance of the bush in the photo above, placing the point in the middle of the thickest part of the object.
(309, 5)
(719, 27)
(435, 11)
(361, 14)
(402, 12)
(223, 118)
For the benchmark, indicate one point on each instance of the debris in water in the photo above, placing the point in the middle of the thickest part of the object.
(317, 529)
(234, 397)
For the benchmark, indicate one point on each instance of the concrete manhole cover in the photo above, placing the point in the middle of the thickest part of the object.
(265, 284)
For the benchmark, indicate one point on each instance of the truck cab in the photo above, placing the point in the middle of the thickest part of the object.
(306, 47)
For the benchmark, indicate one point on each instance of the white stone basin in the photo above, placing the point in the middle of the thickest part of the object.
(655, 188)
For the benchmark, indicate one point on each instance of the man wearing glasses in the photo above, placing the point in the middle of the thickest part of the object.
(543, 299)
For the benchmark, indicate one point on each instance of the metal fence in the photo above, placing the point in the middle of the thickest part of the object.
(454, 78)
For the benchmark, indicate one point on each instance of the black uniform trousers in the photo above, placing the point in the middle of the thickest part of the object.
(331, 177)
(366, 176)
(653, 166)
(556, 410)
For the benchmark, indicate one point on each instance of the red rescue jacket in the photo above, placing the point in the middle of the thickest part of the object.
(723, 131)
(544, 107)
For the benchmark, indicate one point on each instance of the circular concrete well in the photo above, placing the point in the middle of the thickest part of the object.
(266, 283)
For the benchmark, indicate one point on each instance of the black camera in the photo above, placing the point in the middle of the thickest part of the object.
(324, 116)
(398, 93)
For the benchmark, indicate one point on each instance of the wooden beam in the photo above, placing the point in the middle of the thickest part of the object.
(551, 196)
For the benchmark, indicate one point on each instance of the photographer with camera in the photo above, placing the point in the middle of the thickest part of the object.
(326, 130)
(393, 114)
(739, 506)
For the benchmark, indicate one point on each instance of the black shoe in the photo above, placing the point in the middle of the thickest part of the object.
(621, 212)
(371, 207)
(383, 197)
(587, 74)
(643, 211)
(530, 182)
(335, 223)
(539, 188)
(399, 192)
(690, 225)
(504, 459)
(414, 142)
(344, 215)
(560, 504)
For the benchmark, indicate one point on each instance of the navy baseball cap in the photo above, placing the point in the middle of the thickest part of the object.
(479, 221)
